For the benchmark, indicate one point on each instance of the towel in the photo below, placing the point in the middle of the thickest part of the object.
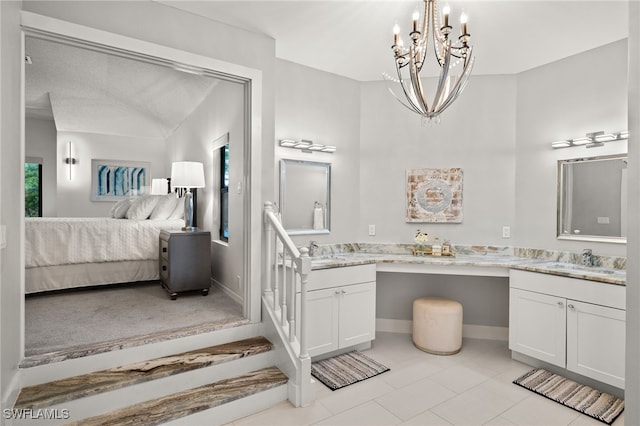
(318, 217)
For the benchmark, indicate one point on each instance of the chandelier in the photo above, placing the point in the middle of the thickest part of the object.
(410, 60)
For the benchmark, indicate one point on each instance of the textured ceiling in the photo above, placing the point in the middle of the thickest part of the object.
(90, 91)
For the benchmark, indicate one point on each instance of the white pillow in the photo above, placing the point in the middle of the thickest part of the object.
(142, 207)
(119, 209)
(178, 213)
(165, 207)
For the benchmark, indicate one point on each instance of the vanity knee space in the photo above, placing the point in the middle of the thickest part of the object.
(570, 323)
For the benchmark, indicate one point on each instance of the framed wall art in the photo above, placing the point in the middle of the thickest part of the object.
(113, 180)
(434, 195)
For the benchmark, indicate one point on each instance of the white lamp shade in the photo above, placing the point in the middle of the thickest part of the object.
(187, 174)
(159, 186)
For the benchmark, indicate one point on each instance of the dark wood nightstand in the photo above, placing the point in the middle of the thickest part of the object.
(185, 261)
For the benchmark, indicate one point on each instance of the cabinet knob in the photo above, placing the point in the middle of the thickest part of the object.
(570, 306)
(343, 292)
(336, 292)
(560, 304)
(164, 249)
(164, 267)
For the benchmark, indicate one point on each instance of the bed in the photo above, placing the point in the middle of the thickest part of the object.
(62, 253)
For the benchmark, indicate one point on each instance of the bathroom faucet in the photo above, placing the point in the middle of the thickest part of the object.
(587, 257)
(313, 245)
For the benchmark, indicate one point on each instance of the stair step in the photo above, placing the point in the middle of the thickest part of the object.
(55, 392)
(181, 404)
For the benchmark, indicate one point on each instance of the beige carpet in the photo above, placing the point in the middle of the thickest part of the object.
(61, 320)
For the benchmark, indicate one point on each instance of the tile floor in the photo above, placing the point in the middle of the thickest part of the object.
(472, 387)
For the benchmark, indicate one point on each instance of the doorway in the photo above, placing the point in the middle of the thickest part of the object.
(244, 83)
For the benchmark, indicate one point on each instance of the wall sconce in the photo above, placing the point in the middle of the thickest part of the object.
(69, 160)
(591, 140)
(307, 146)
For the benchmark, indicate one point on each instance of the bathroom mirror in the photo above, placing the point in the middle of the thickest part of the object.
(592, 199)
(305, 196)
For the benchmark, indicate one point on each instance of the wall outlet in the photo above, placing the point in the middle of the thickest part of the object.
(3, 236)
(372, 230)
(603, 220)
(506, 232)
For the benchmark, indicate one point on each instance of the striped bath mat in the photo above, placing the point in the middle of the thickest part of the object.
(599, 405)
(346, 369)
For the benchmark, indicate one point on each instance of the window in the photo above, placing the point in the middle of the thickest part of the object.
(224, 193)
(33, 188)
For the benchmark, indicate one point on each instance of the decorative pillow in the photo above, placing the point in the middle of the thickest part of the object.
(178, 213)
(165, 207)
(142, 207)
(119, 209)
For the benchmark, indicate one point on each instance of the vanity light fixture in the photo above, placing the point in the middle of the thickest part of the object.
(591, 140)
(307, 146)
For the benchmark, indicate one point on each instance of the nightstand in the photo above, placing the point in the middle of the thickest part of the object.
(185, 261)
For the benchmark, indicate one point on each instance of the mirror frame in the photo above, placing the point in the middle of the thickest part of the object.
(560, 203)
(283, 191)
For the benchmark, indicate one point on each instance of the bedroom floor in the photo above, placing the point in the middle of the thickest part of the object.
(64, 320)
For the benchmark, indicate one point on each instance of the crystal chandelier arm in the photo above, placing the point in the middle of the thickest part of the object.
(410, 95)
(407, 102)
(442, 81)
(418, 89)
(461, 83)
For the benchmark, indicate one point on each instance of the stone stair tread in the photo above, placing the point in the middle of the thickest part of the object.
(55, 392)
(181, 404)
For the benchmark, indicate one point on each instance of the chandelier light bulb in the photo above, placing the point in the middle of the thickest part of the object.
(445, 13)
(463, 22)
(415, 17)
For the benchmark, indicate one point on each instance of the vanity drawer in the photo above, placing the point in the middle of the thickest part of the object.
(335, 277)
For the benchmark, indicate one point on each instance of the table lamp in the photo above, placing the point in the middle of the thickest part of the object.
(187, 174)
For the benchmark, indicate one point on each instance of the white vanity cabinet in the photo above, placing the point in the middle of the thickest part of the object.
(341, 305)
(571, 323)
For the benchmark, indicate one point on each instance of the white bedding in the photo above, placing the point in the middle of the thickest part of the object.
(62, 241)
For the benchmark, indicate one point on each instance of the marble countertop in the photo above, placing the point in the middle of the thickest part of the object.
(474, 258)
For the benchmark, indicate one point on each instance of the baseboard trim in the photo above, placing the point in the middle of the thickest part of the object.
(471, 331)
(227, 291)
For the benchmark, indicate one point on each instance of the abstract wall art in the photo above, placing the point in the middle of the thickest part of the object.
(434, 195)
(113, 180)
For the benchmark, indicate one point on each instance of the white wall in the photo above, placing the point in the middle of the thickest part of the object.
(477, 134)
(40, 141)
(74, 195)
(632, 382)
(197, 139)
(564, 100)
(12, 201)
(324, 108)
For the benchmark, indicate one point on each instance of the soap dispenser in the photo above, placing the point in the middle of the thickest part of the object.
(436, 248)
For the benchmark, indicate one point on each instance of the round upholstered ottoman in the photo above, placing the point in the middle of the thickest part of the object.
(437, 325)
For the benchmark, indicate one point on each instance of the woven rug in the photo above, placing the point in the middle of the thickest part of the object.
(346, 369)
(599, 405)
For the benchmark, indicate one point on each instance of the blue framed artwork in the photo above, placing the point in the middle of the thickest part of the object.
(113, 180)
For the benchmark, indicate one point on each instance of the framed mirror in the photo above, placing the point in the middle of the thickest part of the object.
(305, 196)
(592, 199)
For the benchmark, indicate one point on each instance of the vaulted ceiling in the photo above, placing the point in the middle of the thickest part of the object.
(89, 91)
